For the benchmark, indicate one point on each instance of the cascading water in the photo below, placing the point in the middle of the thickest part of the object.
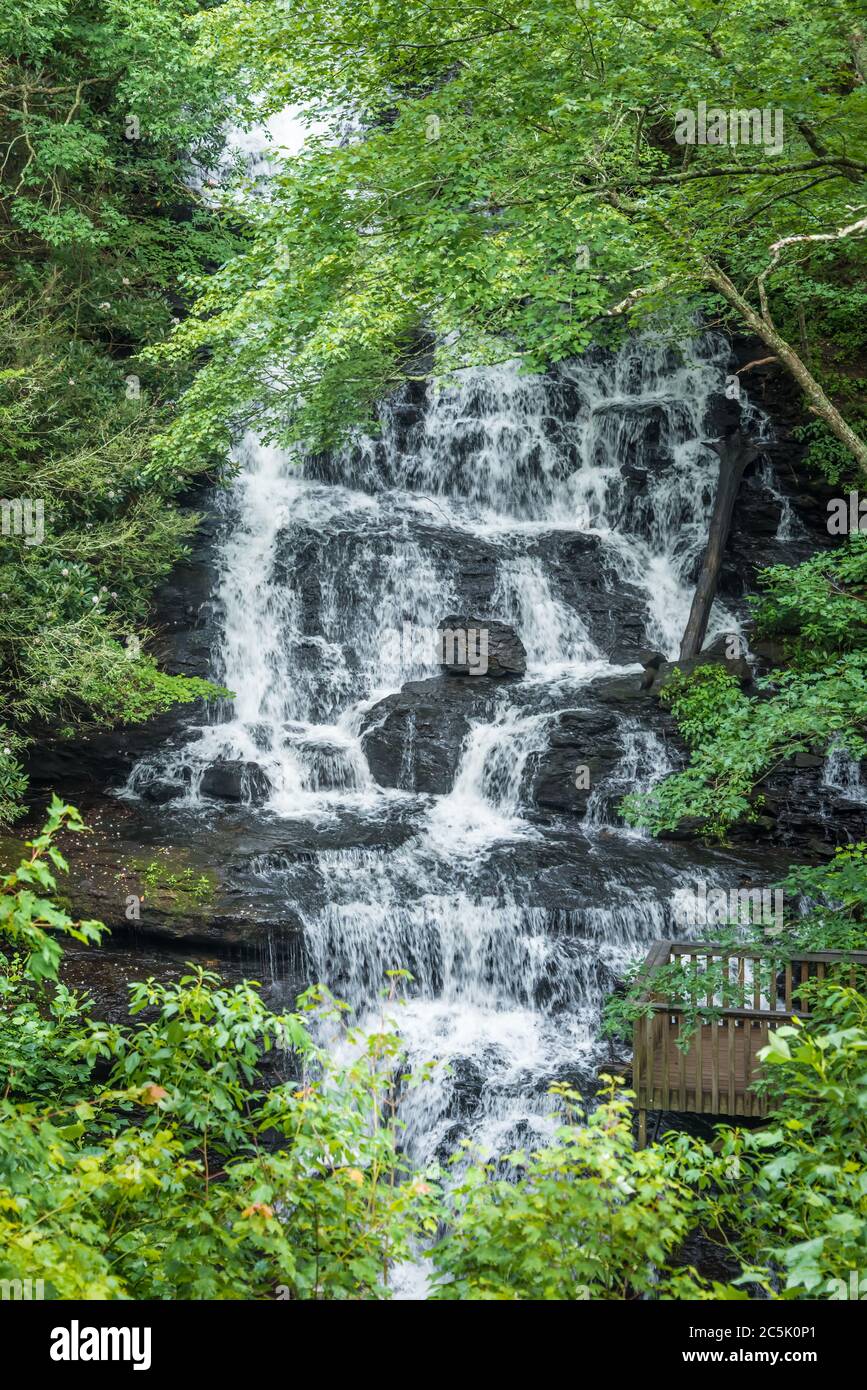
(842, 776)
(480, 498)
(644, 760)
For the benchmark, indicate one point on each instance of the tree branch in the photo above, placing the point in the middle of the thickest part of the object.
(854, 229)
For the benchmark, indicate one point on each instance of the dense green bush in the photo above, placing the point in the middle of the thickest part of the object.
(789, 1201)
(817, 609)
(590, 1217)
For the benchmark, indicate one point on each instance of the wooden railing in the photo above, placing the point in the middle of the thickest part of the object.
(715, 1071)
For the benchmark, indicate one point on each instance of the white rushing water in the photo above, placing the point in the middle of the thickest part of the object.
(842, 775)
(295, 687)
(505, 993)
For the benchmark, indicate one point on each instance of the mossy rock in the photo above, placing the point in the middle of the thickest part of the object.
(171, 883)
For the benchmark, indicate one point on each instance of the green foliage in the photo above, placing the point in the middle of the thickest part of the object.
(29, 920)
(591, 1216)
(809, 712)
(837, 896)
(151, 1160)
(39, 1034)
(825, 454)
(201, 1049)
(83, 676)
(199, 887)
(515, 189)
(818, 608)
(790, 1201)
(107, 114)
(13, 782)
(689, 984)
(699, 701)
(208, 1149)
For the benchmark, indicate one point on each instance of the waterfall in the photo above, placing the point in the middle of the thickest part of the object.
(566, 505)
(484, 804)
(555, 636)
(842, 775)
(644, 760)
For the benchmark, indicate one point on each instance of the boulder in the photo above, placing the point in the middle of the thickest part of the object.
(162, 790)
(235, 780)
(489, 648)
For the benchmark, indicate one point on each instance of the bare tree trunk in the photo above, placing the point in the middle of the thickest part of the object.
(818, 401)
(735, 454)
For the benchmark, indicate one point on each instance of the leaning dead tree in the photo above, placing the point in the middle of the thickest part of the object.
(736, 452)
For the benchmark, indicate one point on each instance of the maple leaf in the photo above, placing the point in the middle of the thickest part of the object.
(152, 1093)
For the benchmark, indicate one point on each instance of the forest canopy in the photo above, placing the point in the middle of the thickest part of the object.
(519, 181)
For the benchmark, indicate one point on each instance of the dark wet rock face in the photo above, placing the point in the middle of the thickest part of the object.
(103, 762)
(413, 740)
(186, 606)
(797, 809)
(587, 745)
(235, 780)
(173, 890)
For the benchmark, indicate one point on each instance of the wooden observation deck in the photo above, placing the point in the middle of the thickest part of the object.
(714, 1074)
